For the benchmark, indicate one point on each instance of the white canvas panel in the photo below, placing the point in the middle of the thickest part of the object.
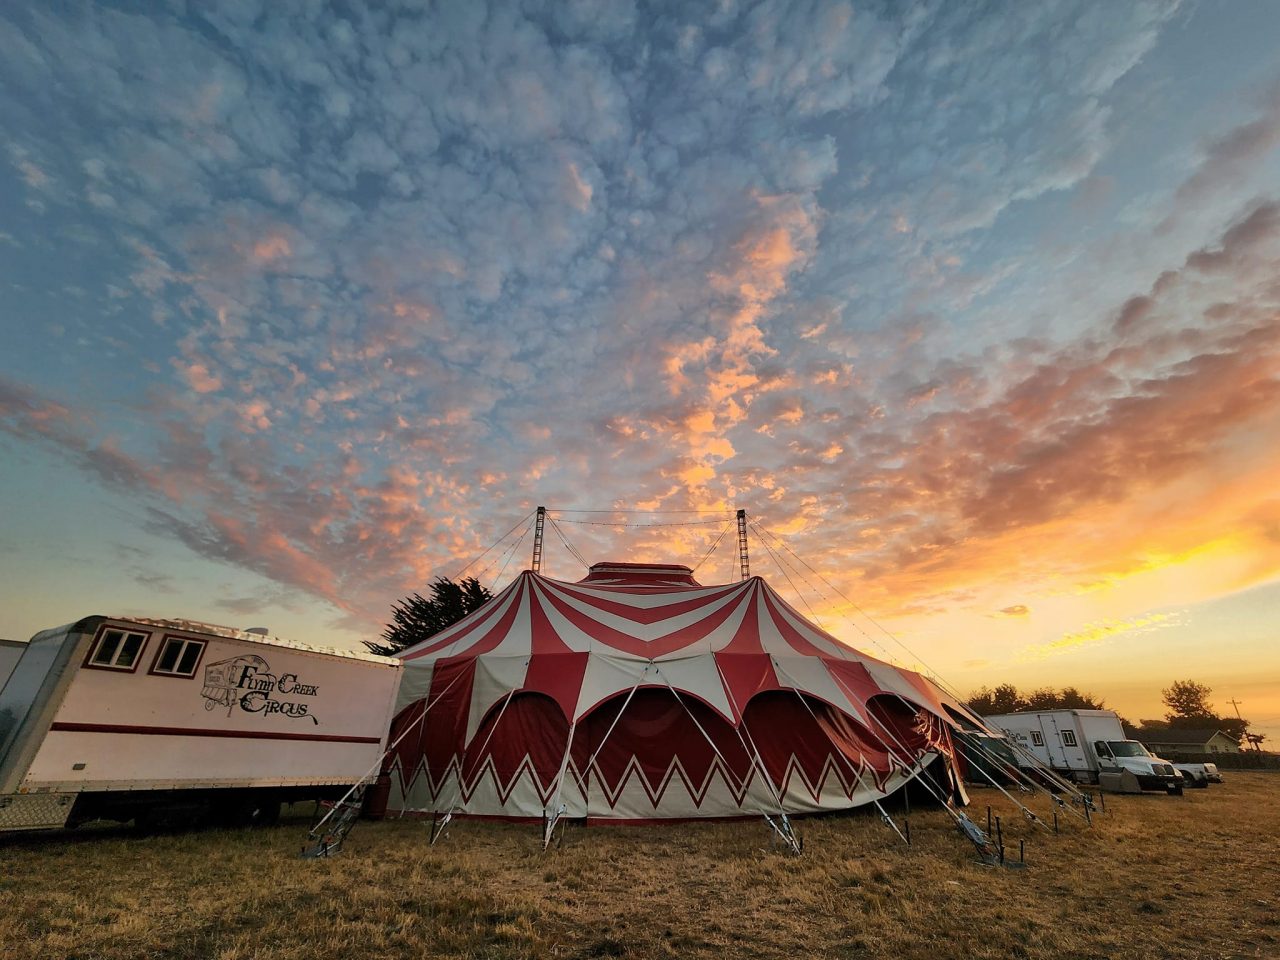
(607, 674)
(809, 675)
(495, 677)
(890, 678)
(566, 631)
(415, 682)
(648, 632)
(698, 675)
(802, 627)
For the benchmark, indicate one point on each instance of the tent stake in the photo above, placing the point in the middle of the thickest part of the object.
(1055, 821)
(907, 826)
(988, 818)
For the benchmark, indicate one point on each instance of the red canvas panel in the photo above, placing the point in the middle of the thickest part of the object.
(744, 675)
(817, 739)
(853, 678)
(657, 739)
(529, 735)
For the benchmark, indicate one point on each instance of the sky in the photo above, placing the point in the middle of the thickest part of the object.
(975, 307)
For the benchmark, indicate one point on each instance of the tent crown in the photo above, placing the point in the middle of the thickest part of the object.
(641, 574)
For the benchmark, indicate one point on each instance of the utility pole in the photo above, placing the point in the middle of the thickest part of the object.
(537, 540)
(743, 560)
(1247, 738)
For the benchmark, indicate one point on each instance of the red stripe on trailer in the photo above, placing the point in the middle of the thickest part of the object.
(204, 732)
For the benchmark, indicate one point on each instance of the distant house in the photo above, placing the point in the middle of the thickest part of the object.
(1188, 741)
(10, 654)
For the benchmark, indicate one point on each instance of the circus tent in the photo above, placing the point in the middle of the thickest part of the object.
(639, 694)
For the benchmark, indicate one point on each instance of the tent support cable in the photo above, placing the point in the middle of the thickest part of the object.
(707, 556)
(766, 536)
(917, 769)
(857, 775)
(553, 814)
(438, 826)
(492, 545)
(569, 546)
(325, 843)
(987, 850)
(744, 737)
(782, 825)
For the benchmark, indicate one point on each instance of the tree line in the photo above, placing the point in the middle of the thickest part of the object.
(1187, 702)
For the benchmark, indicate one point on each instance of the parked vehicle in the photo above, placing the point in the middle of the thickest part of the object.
(171, 722)
(985, 760)
(1081, 744)
(1199, 774)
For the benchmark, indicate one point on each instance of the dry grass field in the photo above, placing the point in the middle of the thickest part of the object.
(1194, 876)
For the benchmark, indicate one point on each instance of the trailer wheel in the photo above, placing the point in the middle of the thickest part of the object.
(1175, 789)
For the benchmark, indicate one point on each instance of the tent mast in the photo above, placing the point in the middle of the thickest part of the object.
(743, 559)
(537, 540)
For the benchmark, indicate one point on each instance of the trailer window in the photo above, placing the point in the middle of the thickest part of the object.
(1036, 738)
(1068, 738)
(178, 657)
(116, 650)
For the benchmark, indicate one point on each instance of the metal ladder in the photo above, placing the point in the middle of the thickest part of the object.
(327, 833)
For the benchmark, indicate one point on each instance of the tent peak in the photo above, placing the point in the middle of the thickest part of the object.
(641, 574)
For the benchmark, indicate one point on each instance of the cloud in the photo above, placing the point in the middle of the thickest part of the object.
(387, 280)
(1101, 632)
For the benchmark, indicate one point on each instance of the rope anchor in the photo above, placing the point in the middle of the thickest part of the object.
(785, 833)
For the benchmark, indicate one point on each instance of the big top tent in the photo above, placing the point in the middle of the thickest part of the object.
(639, 694)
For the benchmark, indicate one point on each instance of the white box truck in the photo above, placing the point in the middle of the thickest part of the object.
(1080, 744)
(171, 722)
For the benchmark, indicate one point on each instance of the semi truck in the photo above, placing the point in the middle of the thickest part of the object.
(173, 723)
(1081, 744)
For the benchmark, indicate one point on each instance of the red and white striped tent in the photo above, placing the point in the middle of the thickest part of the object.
(639, 694)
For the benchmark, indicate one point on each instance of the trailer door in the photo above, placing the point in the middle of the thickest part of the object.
(27, 699)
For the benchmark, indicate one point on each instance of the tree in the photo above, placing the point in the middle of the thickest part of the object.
(1189, 706)
(416, 618)
(1068, 698)
(1188, 703)
(1005, 698)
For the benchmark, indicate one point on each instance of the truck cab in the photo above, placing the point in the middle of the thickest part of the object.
(1152, 772)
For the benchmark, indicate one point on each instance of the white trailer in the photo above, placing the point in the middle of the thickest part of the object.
(172, 722)
(1081, 744)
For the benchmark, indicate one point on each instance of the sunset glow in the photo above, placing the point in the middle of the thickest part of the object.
(978, 312)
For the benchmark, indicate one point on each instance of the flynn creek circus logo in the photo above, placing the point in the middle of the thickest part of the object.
(248, 683)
